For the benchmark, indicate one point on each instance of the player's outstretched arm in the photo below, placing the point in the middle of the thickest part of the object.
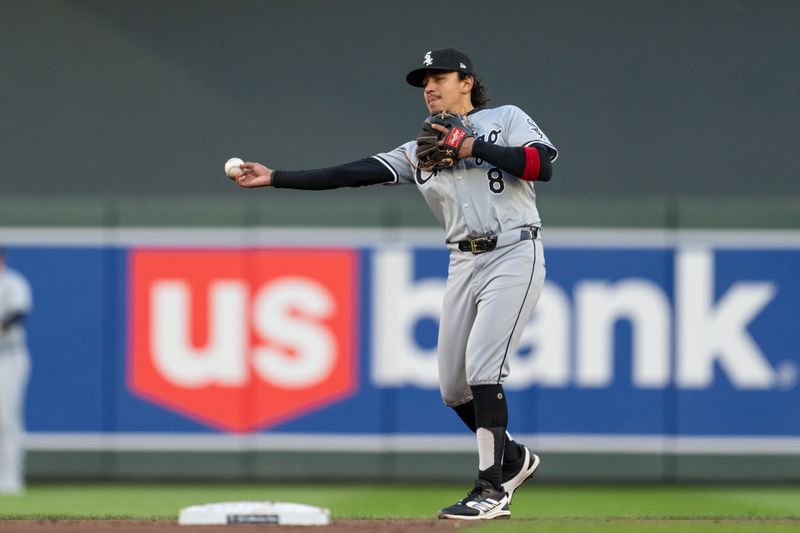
(367, 171)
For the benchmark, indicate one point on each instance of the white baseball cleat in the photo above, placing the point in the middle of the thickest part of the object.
(518, 472)
(483, 502)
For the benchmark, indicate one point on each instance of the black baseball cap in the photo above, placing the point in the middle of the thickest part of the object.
(448, 59)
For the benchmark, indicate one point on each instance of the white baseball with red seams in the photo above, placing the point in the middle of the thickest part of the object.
(233, 167)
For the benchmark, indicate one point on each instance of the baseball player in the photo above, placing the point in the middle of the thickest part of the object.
(475, 167)
(15, 304)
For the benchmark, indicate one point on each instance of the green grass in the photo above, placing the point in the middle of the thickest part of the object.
(561, 508)
(616, 526)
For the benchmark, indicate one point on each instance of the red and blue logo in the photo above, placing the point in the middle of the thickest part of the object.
(243, 339)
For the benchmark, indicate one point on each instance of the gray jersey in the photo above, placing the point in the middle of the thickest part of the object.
(475, 198)
(15, 297)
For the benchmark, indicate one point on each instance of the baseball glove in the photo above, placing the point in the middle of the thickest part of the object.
(436, 150)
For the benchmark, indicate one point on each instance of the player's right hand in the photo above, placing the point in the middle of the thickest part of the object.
(254, 175)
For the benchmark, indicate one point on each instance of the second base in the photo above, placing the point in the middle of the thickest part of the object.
(266, 512)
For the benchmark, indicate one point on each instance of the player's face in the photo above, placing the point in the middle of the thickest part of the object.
(444, 91)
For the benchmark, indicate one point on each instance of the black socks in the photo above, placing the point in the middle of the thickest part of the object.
(491, 420)
(466, 412)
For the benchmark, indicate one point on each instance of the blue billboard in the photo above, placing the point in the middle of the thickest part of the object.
(650, 337)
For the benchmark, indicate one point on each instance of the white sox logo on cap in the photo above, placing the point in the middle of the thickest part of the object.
(446, 60)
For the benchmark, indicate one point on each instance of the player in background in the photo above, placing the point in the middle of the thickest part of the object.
(486, 204)
(15, 304)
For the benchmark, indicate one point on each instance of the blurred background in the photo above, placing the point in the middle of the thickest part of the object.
(677, 129)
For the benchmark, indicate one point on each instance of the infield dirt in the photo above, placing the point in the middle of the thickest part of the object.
(151, 526)
(778, 525)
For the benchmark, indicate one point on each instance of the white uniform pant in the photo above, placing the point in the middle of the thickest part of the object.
(14, 373)
(487, 303)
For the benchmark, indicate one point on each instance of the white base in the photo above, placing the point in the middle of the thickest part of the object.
(280, 513)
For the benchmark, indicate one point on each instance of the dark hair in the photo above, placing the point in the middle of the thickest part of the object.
(478, 95)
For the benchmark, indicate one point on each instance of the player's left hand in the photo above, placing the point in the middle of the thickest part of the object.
(465, 147)
(444, 139)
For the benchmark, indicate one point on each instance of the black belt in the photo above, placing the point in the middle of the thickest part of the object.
(480, 245)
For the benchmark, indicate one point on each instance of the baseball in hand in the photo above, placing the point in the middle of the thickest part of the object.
(232, 167)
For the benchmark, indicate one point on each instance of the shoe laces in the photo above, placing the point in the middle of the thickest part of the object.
(476, 491)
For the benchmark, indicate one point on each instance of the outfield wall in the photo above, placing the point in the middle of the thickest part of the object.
(310, 354)
(151, 97)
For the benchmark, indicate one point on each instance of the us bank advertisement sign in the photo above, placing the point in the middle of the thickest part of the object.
(242, 340)
(640, 338)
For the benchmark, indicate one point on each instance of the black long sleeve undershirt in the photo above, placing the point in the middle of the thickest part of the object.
(370, 171)
(367, 171)
(512, 159)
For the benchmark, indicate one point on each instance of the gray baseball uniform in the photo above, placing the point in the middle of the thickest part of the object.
(489, 297)
(485, 202)
(15, 297)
